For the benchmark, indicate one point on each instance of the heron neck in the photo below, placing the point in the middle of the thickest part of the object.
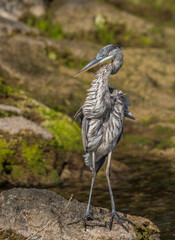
(117, 64)
(102, 77)
(98, 97)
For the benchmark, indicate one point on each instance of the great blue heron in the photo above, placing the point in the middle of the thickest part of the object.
(102, 117)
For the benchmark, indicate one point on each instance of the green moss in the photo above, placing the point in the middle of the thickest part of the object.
(171, 121)
(5, 91)
(157, 30)
(4, 114)
(164, 131)
(149, 120)
(52, 55)
(49, 114)
(17, 172)
(65, 57)
(54, 177)
(28, 157)
(6, 155)
(146, 40)
(107, 31)
(137, 140)
(34, 157)
(119, 32)
(67, 134)
(47, 27)
(10, 235)
(127, 36)
(146, 231)
(105, 35)
(142, 233)
(166, 143)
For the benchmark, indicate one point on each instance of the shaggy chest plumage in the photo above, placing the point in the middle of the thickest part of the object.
(102, 116)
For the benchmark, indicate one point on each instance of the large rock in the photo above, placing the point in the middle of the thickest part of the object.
(15, 125)
(16, 9)
(10, 27)
(35, 141)
(42, 214)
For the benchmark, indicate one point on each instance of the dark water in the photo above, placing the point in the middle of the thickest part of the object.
(147, 190)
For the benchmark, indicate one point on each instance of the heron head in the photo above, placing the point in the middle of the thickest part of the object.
(107, 53)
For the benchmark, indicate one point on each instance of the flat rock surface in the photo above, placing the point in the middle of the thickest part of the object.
(15, 9)
(14, 125)
(8, 108)
(44, 215)
(10, 27)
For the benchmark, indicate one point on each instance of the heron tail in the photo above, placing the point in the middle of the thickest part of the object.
(127, 113)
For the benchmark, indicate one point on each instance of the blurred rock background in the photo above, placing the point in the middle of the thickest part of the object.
(43, 43)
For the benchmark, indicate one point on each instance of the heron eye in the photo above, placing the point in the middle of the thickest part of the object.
(107, 54)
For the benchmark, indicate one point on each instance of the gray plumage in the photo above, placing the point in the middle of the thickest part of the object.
(103, 112)
(102, 117)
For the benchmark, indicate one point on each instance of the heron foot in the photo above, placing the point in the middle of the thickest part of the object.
(88, 217)
(119, 220)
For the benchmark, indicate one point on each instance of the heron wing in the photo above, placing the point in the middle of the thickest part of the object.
(84, 126)
(91, 131)
(84, 131)
(113, 128)
(114, 121)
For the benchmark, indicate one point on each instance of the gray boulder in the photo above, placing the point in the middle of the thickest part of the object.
(44, 215)
(9, 27)
(15, 9)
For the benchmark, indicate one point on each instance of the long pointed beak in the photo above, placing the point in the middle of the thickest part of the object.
(90, 65)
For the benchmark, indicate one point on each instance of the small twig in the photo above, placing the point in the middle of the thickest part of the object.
(61, 213)
(70, 199)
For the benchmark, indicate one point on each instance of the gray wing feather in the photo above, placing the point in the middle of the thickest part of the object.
(78, 114)
(127, 113)
(84, 130)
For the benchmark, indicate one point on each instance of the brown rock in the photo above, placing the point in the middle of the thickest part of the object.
(10, 27)
(14, 125)
(44, 215)
(15, 9)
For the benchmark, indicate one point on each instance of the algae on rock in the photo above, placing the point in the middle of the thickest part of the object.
(27, 158)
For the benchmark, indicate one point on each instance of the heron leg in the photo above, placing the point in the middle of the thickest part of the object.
(88, 214)
(114, 213)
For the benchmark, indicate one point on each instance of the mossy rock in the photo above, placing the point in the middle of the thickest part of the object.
(27, 158)
(10, 235)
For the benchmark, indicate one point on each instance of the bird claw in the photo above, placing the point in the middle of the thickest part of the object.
(88, 217)
(118, 218)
